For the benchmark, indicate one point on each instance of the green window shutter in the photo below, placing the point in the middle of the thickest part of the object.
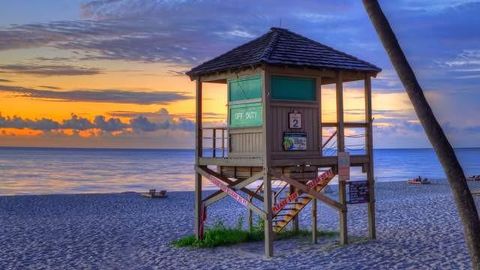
(293, 88)
(246, 115)
(244, 88)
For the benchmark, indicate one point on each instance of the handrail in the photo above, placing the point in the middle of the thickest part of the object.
(329, 139)
(256, 191)
(278, 193)
(214, 138)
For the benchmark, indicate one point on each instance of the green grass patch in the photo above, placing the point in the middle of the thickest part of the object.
(220, 235)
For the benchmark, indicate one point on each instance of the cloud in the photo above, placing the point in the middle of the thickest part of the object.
(99, 95)
(49, 87)
(132, 114)
(141, 123)
(77, 123)
(49, 70)
(112, 124)
(162, 120)
(179, 32)
(43, 124)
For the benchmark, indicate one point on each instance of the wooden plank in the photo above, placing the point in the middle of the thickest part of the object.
(238, 185)
(230, 161)
(341, 148)
(355, 160)
(245, 130)
(198, 226)
(301, 72)
(314, 221)
(346, 124)
(232, 183)
(370, 170)
(216, 181)
(296, 104)
(319, 114)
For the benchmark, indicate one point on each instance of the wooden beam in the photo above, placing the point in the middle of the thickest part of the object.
(230, 192)
(300, 72)
(314, 221)
(319, 138)
(198, 226)
(326, 161)
(238, 185)
(230, 161)
(346, 124)
(223, 77)
(341, 148)
(267, 183)
(370, 169)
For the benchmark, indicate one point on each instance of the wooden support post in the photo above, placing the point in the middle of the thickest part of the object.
(314, 221)
(267, 183)
(267, 205)
(295, 225)
(370, 169)
(318, 86)
(341, 148)
(250, 219)
(198, 153)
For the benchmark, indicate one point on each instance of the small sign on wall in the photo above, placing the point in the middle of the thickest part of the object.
(294, 120)
(294, 141)
(358, 192)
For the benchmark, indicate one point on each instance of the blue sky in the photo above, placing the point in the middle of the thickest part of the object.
(132, 51)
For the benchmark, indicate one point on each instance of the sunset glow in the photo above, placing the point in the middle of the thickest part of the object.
(111, 73)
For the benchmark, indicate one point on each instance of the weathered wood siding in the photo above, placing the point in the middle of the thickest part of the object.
(310, 126)
(245, 142)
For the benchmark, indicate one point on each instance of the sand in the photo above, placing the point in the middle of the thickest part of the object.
(418, 228)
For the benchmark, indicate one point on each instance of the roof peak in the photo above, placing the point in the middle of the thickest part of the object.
(280, 46)
(274, 28)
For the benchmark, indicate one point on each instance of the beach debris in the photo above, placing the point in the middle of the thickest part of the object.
(153, 193)
(419, 181)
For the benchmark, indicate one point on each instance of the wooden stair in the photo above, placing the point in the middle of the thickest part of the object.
(290, 210)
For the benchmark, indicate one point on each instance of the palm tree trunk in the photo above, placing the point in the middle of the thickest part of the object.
(456, 178)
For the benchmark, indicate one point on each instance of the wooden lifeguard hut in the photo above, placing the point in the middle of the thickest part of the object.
(275, 134)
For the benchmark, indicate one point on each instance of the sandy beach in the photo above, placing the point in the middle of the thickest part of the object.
(418, 228)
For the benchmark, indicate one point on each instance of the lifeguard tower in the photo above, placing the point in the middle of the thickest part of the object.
(275, 133)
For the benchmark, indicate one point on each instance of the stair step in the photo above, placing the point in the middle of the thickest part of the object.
(294, 203)
(289, 208)
(284, 215)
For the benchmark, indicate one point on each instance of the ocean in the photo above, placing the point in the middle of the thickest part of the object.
(61, 170)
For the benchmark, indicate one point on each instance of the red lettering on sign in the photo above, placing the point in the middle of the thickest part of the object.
(321, 180)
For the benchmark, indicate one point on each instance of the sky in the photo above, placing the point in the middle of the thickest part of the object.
(110, 73)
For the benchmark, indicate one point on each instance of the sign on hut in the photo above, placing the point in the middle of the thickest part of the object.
(276, 147)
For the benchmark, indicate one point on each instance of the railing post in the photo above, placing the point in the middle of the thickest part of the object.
(214, 142)
(223, 142)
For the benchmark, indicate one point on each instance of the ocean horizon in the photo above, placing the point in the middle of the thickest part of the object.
(50, 170)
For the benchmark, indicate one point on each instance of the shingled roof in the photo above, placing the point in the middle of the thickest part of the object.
(282, 47)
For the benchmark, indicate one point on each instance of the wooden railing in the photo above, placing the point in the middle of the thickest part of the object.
(218, 139)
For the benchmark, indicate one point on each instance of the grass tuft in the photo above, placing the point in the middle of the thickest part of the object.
(220, 235)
